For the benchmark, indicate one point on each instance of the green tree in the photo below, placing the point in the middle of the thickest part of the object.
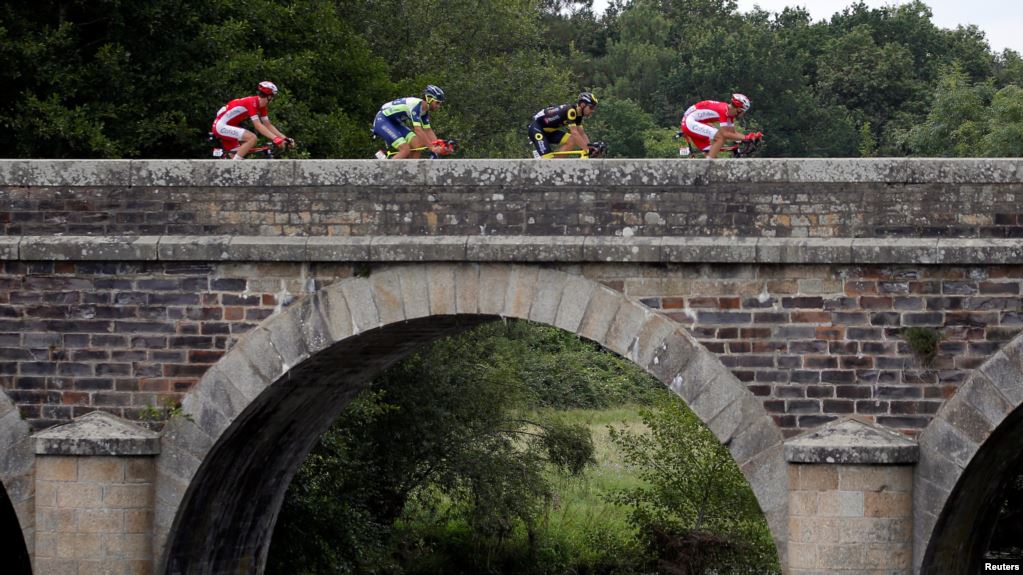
(1004, 137)
(495, 70)
(957, 120)
(461, 430)
(697, 509)
(623, 124)
(144, 79)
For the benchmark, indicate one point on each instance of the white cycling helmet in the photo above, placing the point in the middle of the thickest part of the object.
(741, 102)
(267, 88)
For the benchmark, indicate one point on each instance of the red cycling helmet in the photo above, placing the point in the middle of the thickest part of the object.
(267, 88)
(740, 102)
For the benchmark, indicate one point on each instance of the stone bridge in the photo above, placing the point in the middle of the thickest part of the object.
(774, 296)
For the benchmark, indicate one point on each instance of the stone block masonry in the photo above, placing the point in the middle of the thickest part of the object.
(851, 500)
(94, 498)
(609, 198)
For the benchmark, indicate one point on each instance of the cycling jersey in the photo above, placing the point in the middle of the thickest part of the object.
(557, 117)
(406, 109)
(702, 120)
(548, 127)
(226, 125)
(390, 121)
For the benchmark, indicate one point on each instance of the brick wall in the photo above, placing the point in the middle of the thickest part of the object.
(814, 343)
(820, 342)
(124, 337)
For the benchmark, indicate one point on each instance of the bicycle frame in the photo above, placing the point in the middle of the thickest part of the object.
(594, 150)
(581, 154)
(740, 149)
(743, 149)
(395, 152)
(451, 145)
(266, 151)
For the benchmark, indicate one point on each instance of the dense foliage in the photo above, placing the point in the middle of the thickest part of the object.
(461, 430)
(117, 78)
(695, 508)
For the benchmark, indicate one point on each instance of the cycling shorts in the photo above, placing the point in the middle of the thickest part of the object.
(701, 134)
(392, 131)
(230, 136)
(544, 142)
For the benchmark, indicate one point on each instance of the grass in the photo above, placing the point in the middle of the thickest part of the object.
(581, 533)
(591, 530)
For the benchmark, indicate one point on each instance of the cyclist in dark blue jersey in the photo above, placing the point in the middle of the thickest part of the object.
(560, 128)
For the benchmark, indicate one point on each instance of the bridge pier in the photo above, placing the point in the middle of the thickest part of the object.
(94, 497)
(851, 500)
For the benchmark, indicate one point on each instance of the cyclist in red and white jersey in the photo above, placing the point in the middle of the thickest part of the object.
(709, 123)
(234, 137)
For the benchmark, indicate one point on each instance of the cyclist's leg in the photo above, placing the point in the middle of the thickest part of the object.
(235, 139)
(395, 134)
(538, 139)
(566, 142)
(699, 142)
(701, 134)
(227, 144)
(249, 140)
(414, 143)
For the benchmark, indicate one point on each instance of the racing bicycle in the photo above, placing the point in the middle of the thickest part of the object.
(266, 151)
(740, 149)
(448, 147)
(594, 150)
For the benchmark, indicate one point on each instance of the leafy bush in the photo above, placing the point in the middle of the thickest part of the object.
(697, 509)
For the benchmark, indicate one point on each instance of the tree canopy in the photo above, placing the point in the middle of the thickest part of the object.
(121, 79)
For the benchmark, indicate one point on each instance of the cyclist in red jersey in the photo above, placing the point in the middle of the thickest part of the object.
(709, 123)
(234, 137)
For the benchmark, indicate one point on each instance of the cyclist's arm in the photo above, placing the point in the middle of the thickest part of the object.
(730, 133)
(577, 136)
(262, 128)
(424, 135)
(273, 129)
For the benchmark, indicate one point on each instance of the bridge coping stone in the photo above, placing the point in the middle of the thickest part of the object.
(852, 441)
(632, 172)
(499, 249)
(97, 433)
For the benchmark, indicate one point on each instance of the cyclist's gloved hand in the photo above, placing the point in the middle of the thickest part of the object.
(278, 141)
(440, 147)
(753, 136)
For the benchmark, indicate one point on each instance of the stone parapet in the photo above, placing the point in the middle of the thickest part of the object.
(777, 198)
(635, 172)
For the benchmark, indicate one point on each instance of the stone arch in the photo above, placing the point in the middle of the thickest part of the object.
(224, 469)
(965, 453)
(17, 489)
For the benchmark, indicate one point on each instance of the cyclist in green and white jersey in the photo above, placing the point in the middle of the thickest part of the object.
(392, 119)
